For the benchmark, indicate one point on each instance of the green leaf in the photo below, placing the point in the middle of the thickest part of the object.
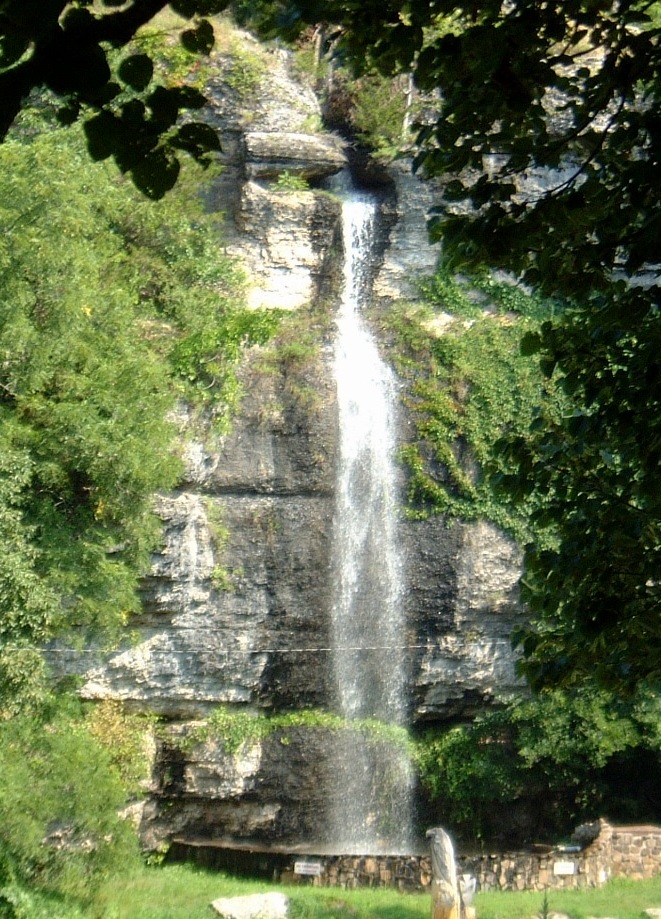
(12, 48)
(189, 97)
(100, 132)
(190, 8)
(137, 71)
(164, 104)
(531, 343)
(68, 114)
(199, 40)
(156, 173)
(198, 139)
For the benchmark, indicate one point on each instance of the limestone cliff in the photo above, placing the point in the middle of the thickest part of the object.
(241, 583)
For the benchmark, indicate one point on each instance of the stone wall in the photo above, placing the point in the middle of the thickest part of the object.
(631, 852)
(598, 853)
(635, 852)
(405, 873)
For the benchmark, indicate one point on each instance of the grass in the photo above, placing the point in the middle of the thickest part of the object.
(169, 892)
(621, 899)
(184, 892)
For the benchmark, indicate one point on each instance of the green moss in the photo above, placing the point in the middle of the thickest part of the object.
(293, 354)
(245, 71)
(233, 729)
(173, 64)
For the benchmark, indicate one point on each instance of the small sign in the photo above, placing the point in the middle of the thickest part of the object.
(312, 869)
(564, 868)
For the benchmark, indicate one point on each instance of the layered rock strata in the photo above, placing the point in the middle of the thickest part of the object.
(235, 608)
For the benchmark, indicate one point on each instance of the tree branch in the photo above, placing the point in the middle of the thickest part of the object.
(53, 46)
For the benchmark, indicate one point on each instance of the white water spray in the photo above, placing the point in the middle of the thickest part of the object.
(372, 800)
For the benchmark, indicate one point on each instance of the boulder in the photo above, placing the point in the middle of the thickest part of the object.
(255, 906)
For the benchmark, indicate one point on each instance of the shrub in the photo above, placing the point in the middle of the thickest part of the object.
(59, 800)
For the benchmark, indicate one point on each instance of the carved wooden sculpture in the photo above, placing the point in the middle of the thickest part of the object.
(447, 901)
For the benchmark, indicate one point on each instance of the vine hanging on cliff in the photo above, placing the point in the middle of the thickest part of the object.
(467, 384)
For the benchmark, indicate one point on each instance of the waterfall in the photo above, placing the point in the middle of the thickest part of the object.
(372, 794)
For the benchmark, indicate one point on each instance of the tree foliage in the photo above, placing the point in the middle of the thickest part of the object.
(60, 831)
(111, 308)
(83, 403)
(80, 51)
(537, 767)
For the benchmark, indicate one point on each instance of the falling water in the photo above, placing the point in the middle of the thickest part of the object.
(371, 802)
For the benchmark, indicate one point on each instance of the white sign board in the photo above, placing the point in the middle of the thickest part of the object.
(312, 869)
(564, 868)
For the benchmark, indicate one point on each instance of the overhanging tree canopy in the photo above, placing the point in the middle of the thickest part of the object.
(547, 131)
(74, 50)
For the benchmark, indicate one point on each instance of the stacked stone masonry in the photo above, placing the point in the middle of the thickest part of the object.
(598, 853)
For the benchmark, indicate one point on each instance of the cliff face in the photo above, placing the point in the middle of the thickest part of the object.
(242, 581)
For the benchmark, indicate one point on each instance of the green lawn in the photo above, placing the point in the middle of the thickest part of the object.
(182, 892)
(621, 899)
